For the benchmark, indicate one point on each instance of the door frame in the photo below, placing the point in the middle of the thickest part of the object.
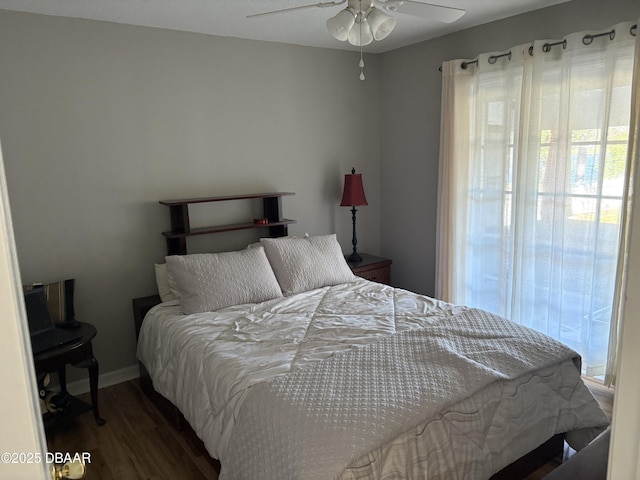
(22, 440)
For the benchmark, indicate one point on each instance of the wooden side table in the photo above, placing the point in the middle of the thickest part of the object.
(376, 269)
(78, 354)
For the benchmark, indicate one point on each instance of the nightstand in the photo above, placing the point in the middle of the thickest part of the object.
(78, 354)
(376, 269)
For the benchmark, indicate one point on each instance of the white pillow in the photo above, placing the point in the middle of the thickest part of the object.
(302, 264)
(166, 284)
(211, 281)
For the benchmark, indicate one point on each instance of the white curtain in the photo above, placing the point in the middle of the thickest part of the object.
(534, 183)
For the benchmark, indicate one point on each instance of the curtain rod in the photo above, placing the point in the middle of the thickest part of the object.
(492, 59)
(546, 48)
(586, 40)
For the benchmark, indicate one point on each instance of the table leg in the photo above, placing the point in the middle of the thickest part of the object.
(92, 365)
(62, 379)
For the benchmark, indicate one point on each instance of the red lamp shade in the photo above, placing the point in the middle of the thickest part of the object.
(353, 194)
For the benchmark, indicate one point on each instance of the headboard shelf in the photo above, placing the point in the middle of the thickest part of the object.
(247, 196)
(227, 228)
(181, 228)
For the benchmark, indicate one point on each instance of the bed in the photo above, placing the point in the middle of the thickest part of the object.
(288, 366)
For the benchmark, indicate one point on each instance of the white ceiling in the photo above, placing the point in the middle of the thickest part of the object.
(302, 27)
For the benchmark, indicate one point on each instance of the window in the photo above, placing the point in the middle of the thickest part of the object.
(539, 189)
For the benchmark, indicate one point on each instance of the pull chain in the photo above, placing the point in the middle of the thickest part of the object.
(361, 63)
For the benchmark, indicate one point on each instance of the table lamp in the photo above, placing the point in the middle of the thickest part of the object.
(353, 196)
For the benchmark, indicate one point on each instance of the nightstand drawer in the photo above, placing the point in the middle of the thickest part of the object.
(376, 269)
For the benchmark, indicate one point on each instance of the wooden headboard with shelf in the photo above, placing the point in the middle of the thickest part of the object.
(181, 228)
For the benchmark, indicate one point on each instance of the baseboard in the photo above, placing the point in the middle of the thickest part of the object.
(105, 380)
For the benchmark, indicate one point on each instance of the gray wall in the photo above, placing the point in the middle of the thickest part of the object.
(100, 121)
(412, 84)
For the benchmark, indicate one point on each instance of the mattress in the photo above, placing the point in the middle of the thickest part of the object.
(221, 369)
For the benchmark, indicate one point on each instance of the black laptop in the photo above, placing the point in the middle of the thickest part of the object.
(44, 334)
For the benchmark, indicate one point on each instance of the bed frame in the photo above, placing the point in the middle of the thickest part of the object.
(519, 469)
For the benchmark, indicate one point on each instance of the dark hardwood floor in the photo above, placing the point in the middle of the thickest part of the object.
(137, 442)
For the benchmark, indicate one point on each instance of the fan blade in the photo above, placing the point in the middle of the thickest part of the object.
(301, 7)
(438, 13)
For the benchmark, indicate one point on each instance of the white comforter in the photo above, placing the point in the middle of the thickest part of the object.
(209, 364)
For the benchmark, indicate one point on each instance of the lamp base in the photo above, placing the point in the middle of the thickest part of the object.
(354, 258)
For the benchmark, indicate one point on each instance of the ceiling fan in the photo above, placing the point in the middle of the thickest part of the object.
(361, 22)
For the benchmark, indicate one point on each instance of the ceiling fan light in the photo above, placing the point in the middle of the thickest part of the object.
(381, 24)
(360, 35)
(340, 25)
